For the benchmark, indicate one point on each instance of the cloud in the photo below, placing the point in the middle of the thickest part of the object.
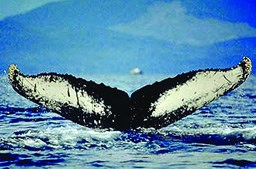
(15, 7)
(170, 22)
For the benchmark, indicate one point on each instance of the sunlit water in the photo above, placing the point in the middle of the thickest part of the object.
(222, 134)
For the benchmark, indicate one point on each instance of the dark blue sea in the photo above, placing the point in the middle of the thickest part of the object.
(220, 135)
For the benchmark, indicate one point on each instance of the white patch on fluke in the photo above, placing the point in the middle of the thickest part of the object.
(53, 94)
(195, 93)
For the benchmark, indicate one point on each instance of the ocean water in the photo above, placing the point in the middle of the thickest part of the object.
(222, 134)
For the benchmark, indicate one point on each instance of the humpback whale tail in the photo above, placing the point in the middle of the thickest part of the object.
(99, 106)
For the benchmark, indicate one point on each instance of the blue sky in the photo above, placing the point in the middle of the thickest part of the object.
(114, 36)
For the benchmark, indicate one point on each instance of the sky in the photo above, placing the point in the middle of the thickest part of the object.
(118, 35)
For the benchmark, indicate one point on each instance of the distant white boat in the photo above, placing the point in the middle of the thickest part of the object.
(136, 71)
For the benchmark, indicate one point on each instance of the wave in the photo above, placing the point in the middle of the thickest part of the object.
(22, 109)
(25, 160)
(67, 137)
(236, 162)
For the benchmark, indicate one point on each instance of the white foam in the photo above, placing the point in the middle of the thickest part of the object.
(67, 135)
(33, 142)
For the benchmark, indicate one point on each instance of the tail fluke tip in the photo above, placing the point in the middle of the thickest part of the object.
(12, 70)
(246, 64)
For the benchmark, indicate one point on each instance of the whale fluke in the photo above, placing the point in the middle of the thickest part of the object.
(99, 106)
(167, 101)
(84, 102)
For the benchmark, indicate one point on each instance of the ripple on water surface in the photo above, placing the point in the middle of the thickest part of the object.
(222, 134)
